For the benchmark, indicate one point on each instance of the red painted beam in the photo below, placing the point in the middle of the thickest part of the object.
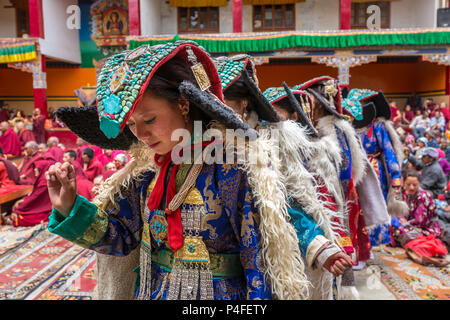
(345, 14)
(237, 16)
(36, 18)
(134, 17)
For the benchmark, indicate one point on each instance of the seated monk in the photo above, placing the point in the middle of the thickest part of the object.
(91, 166)
(24, 134)
(83, 145)
(120, 161)
(9, 173)
(84, 186)
(43, 148)
(36, 207)
(98, 181)
(54, 149)
(26, 168)
(9, 140)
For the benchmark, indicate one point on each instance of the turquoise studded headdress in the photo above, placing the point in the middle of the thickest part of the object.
(357, 104)
(353, 102)
(326, 90)
(241, 68)
(125, 77)
(299, 100)
(230, 69)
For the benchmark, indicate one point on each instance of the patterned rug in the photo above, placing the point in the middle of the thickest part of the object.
(47, 267)
(12, 237)
(408, 280)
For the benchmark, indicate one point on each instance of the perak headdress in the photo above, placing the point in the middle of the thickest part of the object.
(123, 81)
(357, 103)
(242, 68)
(303, 108)
(326, 90)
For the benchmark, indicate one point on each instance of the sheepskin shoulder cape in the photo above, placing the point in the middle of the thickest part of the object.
(284, 267)
(328, 127)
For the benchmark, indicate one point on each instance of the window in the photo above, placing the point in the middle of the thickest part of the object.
(22, 16)
(360, 15)
(274, 17)
(198, 20)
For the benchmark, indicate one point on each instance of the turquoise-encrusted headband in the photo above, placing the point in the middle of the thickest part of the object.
(125, 76)
(352, 104)
(230, 68)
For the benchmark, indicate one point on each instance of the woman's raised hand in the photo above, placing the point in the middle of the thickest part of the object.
(62, 187)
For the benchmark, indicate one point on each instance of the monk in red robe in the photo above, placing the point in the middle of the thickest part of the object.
(9, 140)
(24, 134)
(54, 149)
(38, 126)
(91, 166)
(83, 145)
(36, 207)
(84, 186)
(26, 168)
(12, 174)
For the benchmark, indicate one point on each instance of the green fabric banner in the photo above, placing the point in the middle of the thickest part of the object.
(260, 43)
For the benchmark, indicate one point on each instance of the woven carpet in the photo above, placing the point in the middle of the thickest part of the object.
(12, 237)
(408, 280)
(47, 267)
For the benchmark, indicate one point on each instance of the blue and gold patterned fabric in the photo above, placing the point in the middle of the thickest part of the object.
(382, 156)
(230, 225)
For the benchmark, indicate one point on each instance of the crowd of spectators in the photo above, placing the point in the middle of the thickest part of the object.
(25, 156)
(424, 130)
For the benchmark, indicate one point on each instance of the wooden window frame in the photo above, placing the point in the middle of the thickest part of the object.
(273, 28)
(208, 15)
(366, 4)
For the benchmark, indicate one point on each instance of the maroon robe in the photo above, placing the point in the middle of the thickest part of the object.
(57, 153)
(25, 136)
(10, 142)
(94, 169)
(36, 206)
(84, 186)
(39, 128)
(28, 169)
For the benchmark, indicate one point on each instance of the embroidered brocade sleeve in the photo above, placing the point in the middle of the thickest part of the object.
(310, 236)
(113, 228)
(245, 220)
(392, 164)
(85, 225)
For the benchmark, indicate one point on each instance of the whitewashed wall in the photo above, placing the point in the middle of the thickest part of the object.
(7, 20)
(151, 17)
(157, 17)
(60, 42)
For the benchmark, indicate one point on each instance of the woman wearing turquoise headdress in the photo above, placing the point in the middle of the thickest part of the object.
(378, 142)
(310, 214)
(201, 229)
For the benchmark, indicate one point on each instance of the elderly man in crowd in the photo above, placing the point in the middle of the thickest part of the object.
(120, 161)
(24, 134)
(433, 178)
(26, 168)
(54, 149)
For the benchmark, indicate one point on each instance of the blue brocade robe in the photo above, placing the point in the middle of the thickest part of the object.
(229, 226)
(380, 151)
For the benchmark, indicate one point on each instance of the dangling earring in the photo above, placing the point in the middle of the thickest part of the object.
(184, 109)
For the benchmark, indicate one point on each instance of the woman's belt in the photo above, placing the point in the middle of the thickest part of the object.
(222, 265)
